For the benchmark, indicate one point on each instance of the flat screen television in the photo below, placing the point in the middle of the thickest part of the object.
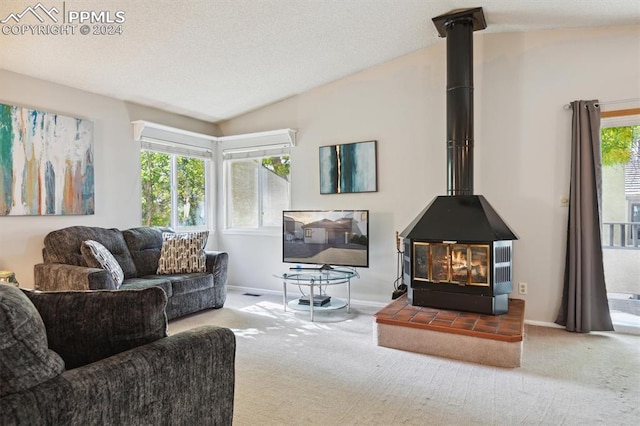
(326, 238)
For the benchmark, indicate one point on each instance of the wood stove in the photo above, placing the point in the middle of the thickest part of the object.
(458, 251)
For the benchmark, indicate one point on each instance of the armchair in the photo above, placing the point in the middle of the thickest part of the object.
(104, 357)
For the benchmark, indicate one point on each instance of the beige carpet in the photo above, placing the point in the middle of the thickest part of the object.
(290, 371)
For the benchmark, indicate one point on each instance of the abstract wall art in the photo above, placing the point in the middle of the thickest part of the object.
(348, 168)
(46, 163)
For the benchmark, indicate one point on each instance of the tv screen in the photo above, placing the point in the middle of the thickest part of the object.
(326, 237)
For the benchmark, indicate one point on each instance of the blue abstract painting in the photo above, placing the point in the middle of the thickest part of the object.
(46, 163)
(348, 168)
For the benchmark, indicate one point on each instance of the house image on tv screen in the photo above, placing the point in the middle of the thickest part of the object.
(326, 237)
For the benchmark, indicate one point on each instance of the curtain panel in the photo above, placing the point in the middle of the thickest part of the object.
(584, 305)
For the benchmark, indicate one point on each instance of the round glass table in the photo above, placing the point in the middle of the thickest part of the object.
(316, 300)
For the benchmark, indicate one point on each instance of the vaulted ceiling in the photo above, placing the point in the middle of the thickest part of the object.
(216, 59)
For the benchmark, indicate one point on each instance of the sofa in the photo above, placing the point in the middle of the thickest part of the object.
(136, 253)
(104, 358)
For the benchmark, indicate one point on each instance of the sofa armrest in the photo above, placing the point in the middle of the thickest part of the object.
(87, 326)
(59, 276)
(217, 262)
(184, 379)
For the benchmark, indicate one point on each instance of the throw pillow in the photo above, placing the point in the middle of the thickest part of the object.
(98, 256)
(26, 359)
(183, 253)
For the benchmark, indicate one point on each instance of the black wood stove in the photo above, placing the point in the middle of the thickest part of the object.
(458, 251)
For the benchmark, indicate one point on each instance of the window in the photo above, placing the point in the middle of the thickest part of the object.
(173, 190)
(620, 143)
(257, 186)
(620, 182)
(175, 176)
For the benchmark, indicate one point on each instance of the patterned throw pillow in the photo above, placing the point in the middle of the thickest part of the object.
(98, 256)
(182, 253)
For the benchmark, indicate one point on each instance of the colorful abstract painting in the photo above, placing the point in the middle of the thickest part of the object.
(348, 168)
(46, 163)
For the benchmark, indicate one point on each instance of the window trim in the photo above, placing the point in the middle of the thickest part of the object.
(178, 139)
(256, 146)
(260, 187)
(178, 142)
(174, 193)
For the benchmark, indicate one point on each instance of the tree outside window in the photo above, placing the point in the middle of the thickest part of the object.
(173, 190)
(620, 183)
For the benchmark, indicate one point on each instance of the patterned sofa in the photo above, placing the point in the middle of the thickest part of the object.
(71, 263)
(104, 358)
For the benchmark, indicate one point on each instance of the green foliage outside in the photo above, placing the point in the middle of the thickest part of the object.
(280, 165)
(155, 168)
(618, 144)
(155, 171)
(191, 191)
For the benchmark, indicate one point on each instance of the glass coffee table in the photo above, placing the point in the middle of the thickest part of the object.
(315, 280)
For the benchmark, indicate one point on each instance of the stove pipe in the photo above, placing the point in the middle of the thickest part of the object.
(458, 27)
(460, 215)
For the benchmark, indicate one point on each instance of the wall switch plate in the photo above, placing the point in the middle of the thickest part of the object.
(522, 288)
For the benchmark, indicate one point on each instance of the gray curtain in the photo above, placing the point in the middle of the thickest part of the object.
(585, 306)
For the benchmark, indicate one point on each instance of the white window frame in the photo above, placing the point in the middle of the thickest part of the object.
(252, 146)
(177, 142)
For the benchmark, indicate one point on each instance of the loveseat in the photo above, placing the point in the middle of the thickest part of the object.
(104, 358)
(68, 265)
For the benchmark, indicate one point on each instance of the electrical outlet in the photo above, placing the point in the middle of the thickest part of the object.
(522, 288)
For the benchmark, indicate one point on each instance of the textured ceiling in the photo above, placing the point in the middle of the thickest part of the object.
(217, 59)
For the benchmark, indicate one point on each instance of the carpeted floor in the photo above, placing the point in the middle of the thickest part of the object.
(290, 371)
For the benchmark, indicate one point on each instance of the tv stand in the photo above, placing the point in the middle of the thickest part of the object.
(315, 279)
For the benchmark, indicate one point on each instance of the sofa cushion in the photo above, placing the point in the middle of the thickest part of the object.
(63, 246)
(144, 245)
(189, 283)
(183, 253)
(97, 256)
(87, 326)
(148, 281)
(25, 359)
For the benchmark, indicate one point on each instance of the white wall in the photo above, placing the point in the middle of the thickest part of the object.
(522, 137)
(117, 165)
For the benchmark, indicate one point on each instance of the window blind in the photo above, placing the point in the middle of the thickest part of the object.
(170, 147)
(256, 152)
(172, 140)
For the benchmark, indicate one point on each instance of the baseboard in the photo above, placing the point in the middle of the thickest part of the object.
(543, 324)
(369, 303)
(254, 290)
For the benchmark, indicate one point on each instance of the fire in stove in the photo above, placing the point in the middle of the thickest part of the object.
(463, 264)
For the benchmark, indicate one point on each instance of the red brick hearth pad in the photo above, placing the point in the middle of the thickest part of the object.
(485, 339)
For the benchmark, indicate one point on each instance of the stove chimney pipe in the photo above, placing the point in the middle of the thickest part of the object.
(458, 26)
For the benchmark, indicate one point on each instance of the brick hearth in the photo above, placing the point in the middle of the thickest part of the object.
(486, 339)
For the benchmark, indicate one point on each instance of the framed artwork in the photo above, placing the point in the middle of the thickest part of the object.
(348, 168)
(46, 163)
